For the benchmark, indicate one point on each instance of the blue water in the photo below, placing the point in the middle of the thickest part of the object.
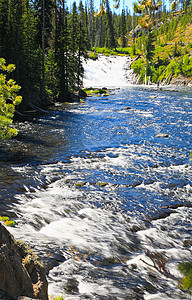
(89, 182)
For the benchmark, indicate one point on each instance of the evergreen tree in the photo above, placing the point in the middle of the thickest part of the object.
(123, 29)
(44, 12)
(74, 24)
(74, 32)
(29, 63)
(82, 53)
(4, 26)
(150, 47)
(111, 34)
(91, 23)
(62, 57)
(83, 19)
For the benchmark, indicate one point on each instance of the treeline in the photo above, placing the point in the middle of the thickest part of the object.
(47, 43)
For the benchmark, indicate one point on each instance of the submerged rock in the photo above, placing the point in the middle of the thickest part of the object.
(21, 272)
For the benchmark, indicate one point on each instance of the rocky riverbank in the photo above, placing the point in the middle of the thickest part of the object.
(21, 272)
(182, 81)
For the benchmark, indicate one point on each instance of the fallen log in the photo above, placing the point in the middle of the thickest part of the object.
(38, 108)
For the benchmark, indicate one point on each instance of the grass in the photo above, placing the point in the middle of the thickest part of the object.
(92, 91)
(128, 51)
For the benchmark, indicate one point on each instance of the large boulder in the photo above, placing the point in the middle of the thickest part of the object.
(21, 272)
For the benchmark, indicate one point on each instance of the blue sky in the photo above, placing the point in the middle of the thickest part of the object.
(123, 3)
(128, 3)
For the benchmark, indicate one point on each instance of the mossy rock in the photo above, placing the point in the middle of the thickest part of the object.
(102, 183)
(80, 183)
(68, 180)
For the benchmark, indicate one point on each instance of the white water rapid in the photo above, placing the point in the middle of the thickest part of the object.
(107, 71)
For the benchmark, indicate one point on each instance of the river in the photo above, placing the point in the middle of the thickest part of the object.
(92, 188)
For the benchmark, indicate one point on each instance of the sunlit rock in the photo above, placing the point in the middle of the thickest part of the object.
(162, 135)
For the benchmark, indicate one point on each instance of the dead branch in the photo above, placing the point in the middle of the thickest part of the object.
(159, 264)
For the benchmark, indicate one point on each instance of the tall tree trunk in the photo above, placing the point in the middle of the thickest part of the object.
(43, 56)
(91, 22)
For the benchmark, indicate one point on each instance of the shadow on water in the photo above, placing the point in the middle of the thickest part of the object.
(18, 156)
(32, 140)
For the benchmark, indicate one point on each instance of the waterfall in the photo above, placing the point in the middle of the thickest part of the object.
(107, 71)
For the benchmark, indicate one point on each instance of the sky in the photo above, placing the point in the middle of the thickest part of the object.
(126, 3)
(123, 3)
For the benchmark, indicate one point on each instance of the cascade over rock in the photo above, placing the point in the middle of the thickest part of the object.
(21, 272)
(109, 71)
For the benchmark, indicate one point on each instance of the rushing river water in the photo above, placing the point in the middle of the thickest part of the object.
(89, 185)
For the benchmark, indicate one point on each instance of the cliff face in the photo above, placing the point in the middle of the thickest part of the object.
(21, 272)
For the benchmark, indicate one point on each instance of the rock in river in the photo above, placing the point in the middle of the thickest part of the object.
(165, 135)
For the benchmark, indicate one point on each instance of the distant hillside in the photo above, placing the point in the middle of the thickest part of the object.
(172, 56)
(172, 61)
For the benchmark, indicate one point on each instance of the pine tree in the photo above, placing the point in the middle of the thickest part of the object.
(44, 12)
(4, 10)
(62, 57)
(150, 47)
(91, 23)
(123, 28)
(111, 33)
(29, 70)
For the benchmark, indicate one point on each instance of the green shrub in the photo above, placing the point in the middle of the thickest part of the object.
(187, 65)
(7, 221)
(8, 100)
(138, 65)
(186, 282)
(93, 56)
